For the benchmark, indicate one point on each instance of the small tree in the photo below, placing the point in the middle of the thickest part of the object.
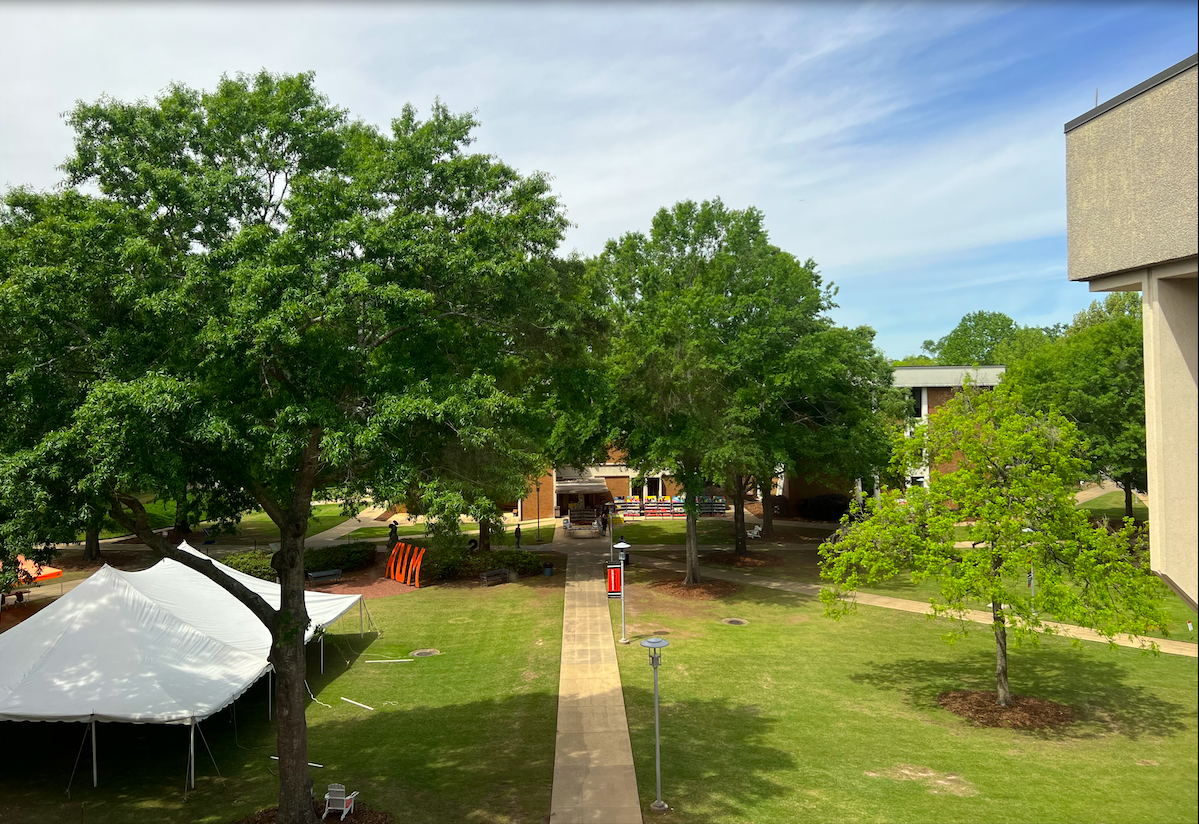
(1013, 484)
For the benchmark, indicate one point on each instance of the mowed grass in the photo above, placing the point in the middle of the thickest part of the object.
(803, 566)
(467, 735)
(796, 717)
(1111, 504)
(711, 531)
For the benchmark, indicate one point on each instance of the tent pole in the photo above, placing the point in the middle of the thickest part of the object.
(191, 755)
(361, 628)
(210, 755)
(322, 654)
(95, 770)
(268, 695)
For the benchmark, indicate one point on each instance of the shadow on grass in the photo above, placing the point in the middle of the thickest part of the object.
(1100, 692)
(715, 755)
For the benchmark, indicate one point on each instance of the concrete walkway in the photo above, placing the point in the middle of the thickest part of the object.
(594, 779)
(904, 605)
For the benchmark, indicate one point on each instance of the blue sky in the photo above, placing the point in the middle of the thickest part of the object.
(915, 151)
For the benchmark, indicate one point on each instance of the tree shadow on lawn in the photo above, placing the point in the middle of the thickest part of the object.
(1098, 690)
(715, 755)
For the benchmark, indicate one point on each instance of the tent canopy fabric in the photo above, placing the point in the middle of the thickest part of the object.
(165, 645)
(106, 652)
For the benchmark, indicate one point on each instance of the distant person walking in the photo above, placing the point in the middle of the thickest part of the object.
(393, 534)
(516, 532)
(604, 523)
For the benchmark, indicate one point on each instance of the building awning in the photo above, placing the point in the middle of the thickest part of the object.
(582, 486)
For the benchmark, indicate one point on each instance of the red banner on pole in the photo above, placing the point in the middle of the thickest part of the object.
(613, 580)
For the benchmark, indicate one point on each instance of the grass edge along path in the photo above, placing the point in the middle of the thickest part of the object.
(794, 717)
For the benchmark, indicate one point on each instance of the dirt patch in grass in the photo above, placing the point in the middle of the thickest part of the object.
(938, 783)
(362, 815)
(1025, 713)
(753, 560)
(704, 591)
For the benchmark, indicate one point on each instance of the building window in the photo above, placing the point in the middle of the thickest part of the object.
(916, 401)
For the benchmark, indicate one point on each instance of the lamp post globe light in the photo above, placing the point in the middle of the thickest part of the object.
(655, 645)
(622, 547)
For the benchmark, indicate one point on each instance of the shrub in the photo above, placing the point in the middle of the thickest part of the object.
(523, 561)
(345, 557)
(253, 562)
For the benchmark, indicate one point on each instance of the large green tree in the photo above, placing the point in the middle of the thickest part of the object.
(724, 362)
(323, 308)
(1014, 481)
(1095, 375)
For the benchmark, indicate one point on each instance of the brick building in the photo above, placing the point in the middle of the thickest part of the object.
(931, 387)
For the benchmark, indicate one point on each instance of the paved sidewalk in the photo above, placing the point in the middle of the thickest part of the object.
(904, 605)
(334, 535)
(594, 779)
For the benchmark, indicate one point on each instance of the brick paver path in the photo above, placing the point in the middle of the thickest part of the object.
(594, 779)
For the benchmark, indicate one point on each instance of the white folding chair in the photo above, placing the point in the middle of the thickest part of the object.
(756, 532)
(336, 801)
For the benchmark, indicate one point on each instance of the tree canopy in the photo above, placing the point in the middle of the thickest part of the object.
(723, 359)
(1029, 551)
(288, 303)
(1095, 376)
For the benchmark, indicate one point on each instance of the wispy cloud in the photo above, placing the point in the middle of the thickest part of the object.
(915, 151)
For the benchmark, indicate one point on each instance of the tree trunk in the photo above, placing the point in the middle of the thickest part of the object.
(1003, 692)
(91, 545)
(1128, 498)
(288, 656)
(739, 544)
(182, 522)
(484, 535)
(767, 505)
(691, 506)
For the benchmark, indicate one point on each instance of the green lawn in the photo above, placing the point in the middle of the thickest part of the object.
(254, 527)
(465, 736)
(368, 533)
(1111, 504)
(159, 512)
(258, 528)
(802, 566)
(797, 718)
(712, 531)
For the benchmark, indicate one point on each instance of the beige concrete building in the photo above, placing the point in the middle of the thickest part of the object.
(1132, 168)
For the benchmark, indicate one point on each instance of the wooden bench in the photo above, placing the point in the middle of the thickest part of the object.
(493, 576)
(325, 576)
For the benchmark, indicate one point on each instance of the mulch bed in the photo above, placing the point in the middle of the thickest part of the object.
(129, 560)
(751, 561)
(371, 582)
(362, 814)
(705, 591)
(1025, 713)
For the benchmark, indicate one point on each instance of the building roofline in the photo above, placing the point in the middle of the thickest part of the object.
(1140, 88)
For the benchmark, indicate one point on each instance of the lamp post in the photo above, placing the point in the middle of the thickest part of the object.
(622, 546)
(1032, 582)
(655, 645)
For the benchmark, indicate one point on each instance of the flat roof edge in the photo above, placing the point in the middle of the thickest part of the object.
(1140, 88)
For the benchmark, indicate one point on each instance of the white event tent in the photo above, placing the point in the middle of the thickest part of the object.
(162, 646)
